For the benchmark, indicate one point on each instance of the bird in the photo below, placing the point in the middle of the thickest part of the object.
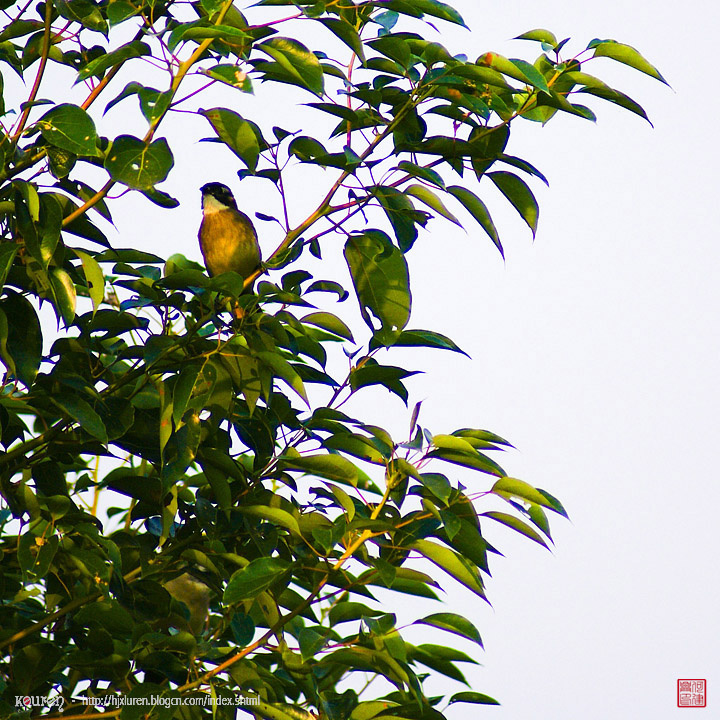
(228, 240)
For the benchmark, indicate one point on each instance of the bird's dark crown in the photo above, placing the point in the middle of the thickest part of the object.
(220, 192)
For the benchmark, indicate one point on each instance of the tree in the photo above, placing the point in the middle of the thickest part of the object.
(259, 522)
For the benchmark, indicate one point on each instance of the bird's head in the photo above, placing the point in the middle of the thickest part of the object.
(216, 196)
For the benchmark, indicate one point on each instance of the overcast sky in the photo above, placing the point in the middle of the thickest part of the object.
(595, 352)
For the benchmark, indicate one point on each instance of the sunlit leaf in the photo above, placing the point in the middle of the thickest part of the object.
(626, 55)
(452, 563)
(299, 62)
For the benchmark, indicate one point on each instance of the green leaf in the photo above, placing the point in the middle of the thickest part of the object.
(380, 276)
(432, 201)
(230, 75)
(82, 413)
(300, 63)
(533, 76)
(276, 516)
(472, 697)
(35, 555)
(64, 294)
(100, 64)
(21, 347)
(439, 10)
(137, 164)
(596, 87)
(153, 103)
(453, 623)
(232, 35)
(402, 215)
(474, 460)
(386, 375)
(284, 370)
(423, 173)
(626, 55)
(347, 33)
(237, 133)
(539, 35)
(519, 195)
(516, 524)
(331, 467)
(86, 12)
(426, 338)
(250, 581)
(507, 487)
(329, 322)
(357, 445)
(7, 255)
(452, 563)
(347, 611)
(476, 207)
(69, 127)
(121, 10)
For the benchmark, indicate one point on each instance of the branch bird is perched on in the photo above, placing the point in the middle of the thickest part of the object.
(228, 240)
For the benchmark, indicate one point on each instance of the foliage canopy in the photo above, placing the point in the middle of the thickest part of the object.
(223, 446)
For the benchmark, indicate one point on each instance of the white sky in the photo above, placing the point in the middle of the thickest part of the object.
(595, 353)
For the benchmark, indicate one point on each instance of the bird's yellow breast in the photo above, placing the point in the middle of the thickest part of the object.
(228, 242)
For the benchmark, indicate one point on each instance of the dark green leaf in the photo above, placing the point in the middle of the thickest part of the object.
(81, 412)
(237, 133)
(426, 338)
(453, 623)
(476, 207)
(347, 33)
(385, 375)
(469, 459)
(125, 52)
(21, 348)
(380, 276)
(299, 62)
(519, 195)
(7, 255)
(69, 127)
(423, 173)
(137, 164)
(402, 215)
(253, 579)
(472, 697)
(86, 12)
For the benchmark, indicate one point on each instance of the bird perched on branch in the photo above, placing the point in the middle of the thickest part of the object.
(228, 240)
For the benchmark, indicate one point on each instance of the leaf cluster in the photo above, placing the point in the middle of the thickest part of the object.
(189, 506)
